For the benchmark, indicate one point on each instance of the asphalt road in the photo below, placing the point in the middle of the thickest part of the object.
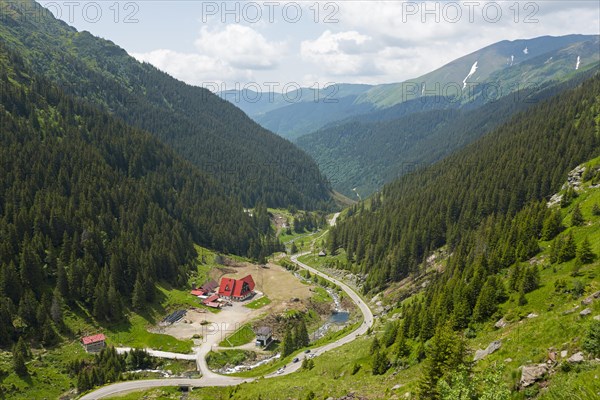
(210, 378)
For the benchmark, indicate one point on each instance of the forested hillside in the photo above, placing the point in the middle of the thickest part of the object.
(249, 161)
(482, 187)
(94, 211)
(368, 151)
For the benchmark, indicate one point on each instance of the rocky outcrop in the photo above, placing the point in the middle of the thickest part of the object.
(501, 323)
(479, 354)
(576, 358)
(585, 312)
(531, 373)
(590, 299)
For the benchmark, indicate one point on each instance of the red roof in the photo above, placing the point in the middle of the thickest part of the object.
(213, 304)
(93, 339)
(197, 292)
(211, 299)
(226, 287)
(236, 287)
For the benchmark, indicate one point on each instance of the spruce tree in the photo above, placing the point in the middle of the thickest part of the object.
(596, 209)
(302, 338)
(288, 343)
(56, 312)
(568, 249)
(446, 353)
(585, 255)
(21, 353)
(138, 297)
(577, 217)
(374, 345)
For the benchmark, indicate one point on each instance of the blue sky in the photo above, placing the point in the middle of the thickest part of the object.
(276, 43)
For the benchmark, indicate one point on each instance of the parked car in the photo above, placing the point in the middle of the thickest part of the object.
(307, 351)
(296, 360)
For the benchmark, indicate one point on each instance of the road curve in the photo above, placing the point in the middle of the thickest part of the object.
(213, 379)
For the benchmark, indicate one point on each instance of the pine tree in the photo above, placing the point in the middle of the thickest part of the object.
(389, 334)
(596, 209)
(21, 353)
(288, 343)
(487, 303)
(402, 349)
(585, 255)
(552, 225)
(577, 217)
(302, 339)
(374, 345)
(56, 312)
(380, 363)
(138, 297)
(446, 353)
(568, 249)
(522, 299)
(19, 365)
(531, 279)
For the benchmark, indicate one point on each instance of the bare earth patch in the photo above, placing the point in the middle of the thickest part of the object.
(274, 281)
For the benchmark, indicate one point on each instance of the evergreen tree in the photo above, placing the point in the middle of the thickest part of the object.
(596, 209)
(302, 338)
(20, 354)
(138, 298)
(374, 345)
(552, 225)
(294, 248)
(577, 217)
(446, 353)
(522, 299)
(380, 363)
(288, 343)
(568, 249)
(487, 302)
(402, 349)
(585, 255)
(531, 279)
(56, 311)
(19, 365)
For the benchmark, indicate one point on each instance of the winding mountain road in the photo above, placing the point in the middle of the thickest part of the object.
(210, 378)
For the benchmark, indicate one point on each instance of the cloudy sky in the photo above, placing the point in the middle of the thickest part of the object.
(273, 43)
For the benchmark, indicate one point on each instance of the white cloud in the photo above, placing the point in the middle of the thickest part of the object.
(231, 54)
(372, 43)
(342, 53)
(240, 46)
(193, 68)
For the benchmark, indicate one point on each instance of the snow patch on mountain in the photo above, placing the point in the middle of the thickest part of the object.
(578, 63)
(473, 70)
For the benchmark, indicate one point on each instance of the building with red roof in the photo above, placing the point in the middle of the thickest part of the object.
(236, 289)
(94, 343)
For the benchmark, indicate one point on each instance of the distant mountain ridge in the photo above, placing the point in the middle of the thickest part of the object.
(470, 81)
(362, 154)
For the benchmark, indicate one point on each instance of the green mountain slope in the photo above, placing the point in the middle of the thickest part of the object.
(366, 152)
(502, 68)
(522, 161)
(247, 160)
(507, 65)
(93, 212)
(545, 328)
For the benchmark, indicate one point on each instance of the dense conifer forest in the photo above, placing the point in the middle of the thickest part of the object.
(485, 202)
(90, 206)
(250, 162)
